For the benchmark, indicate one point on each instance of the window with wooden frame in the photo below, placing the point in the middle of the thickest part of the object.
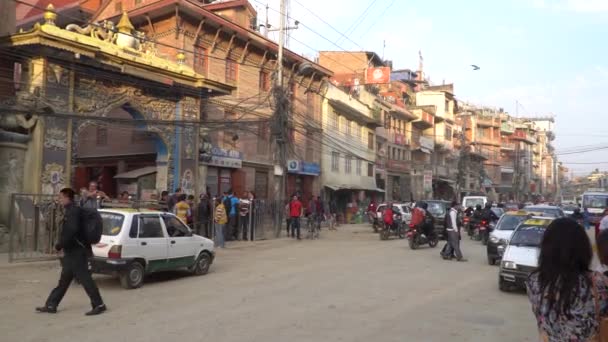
(334, 120)
(348, 164)
(358, 167)
(200, 59)
(370, 141)
(335, 161)
(232, 70)
(101, 137)
(264, 81)
(348, 128)
(370, 170)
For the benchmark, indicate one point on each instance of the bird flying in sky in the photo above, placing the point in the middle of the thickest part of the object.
(475, 67)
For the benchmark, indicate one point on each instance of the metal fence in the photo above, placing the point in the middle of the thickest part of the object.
(34, 221)
(261, 221)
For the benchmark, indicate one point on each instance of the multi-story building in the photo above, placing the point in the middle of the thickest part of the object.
(349, 152)
(219, 41)
(444, 158)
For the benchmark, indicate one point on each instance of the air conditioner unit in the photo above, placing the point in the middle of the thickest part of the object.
(293, 165)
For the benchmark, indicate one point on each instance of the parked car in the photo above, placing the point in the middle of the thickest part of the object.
(402, 208)
(546, 210)
(521, 255)
(473, 201)
(135, 243)
(500, 236)
(569, 209)
(439, 209)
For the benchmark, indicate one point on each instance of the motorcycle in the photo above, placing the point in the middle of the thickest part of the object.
(395, 229)
(480, 231)
(373, 219)
(416, 238)
(466, 221)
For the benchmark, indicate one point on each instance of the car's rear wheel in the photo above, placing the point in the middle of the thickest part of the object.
(133, 276)
(202, 264)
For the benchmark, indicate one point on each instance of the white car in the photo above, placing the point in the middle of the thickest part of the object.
(521, 256)
(400, 208)
(138, 242)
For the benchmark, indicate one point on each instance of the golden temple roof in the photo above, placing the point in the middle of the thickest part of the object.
(99, 42)
(124, 24)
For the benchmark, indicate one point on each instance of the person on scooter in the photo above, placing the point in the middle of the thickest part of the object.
(418, 215)
(577, 216)
(387, 216)
(488, 214)
(428, 225)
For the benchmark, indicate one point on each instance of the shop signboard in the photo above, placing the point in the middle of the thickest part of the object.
(427, 180)
(223, 158)
(303, 168)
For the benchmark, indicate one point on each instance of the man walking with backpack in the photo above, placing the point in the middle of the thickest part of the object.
(75, 242)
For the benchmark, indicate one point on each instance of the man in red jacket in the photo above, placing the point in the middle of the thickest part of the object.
(388, 215)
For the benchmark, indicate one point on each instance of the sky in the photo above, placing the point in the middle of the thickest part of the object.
(537, 57)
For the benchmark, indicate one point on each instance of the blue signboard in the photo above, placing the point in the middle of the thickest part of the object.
(303, 168)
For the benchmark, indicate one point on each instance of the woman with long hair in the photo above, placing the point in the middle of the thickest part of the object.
(568, 299)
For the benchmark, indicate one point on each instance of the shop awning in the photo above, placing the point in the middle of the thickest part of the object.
(134, 174)
(336, 187)
(441, 179)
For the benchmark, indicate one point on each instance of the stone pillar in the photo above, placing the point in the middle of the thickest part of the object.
(12, 153)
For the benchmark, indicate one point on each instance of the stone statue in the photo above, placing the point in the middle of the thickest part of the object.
(104, 31)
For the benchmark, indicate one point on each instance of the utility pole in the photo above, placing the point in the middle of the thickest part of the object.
(280, 121)
(267, 26)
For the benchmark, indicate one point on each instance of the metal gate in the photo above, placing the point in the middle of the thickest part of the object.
(33, 224)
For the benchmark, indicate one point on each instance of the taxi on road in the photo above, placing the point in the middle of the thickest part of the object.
(500, 236)
(521, 255)
(136, 242)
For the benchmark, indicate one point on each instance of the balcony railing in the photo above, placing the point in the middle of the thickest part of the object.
(488, 121)
(507, 128)
(523, 136)
(488, 140)
(507, 146)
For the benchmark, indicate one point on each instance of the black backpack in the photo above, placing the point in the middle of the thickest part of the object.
(92, 224)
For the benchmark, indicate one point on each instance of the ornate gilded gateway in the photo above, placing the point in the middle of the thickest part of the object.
(77, 76)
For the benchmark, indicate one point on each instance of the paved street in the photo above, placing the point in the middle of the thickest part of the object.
(348, 286)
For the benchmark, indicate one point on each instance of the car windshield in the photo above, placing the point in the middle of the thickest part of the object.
(553, 212)
(436, 208)
(473, 202)
(528, 236)
(498, 211)
(595, 201)
(112, 223)
(510, 222)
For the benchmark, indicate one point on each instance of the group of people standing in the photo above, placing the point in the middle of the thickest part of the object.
(314, 210)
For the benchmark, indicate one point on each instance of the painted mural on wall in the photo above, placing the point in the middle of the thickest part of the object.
(53, 178)
(187, 182)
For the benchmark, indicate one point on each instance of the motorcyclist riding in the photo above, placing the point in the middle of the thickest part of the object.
(488, 214)
(577, 216)
(387, 216)
(418, 215)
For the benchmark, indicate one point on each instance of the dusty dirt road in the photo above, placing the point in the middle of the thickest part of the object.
(348, 286)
